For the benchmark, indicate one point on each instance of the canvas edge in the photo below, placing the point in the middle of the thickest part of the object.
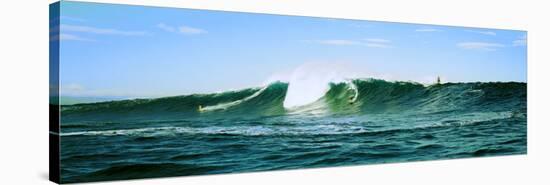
(54, 137)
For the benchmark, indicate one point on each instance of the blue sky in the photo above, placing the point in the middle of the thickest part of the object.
(137, 51)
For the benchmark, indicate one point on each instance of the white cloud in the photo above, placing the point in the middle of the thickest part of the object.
(100, 31)
(483, 32)
(165, 27)
(377, 40)
(339, 42)
(482, 46)
(373, 43)
(190, 30)
(522, 41)
(377, 45)
(181, 29)
(427, 30)
(69, 37)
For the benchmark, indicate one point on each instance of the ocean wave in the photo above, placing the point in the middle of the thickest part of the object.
(357, 96)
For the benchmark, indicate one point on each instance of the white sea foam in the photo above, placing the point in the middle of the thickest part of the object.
(329, 128)
(353, 87)
(236, 130)
(309, 82)
(223, 106)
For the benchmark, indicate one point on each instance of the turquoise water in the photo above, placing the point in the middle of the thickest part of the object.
(363, 121)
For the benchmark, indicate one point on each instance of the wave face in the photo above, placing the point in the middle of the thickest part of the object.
(360, 121)
(360, 96)
(252, 101)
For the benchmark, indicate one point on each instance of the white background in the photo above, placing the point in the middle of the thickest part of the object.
(24, 91)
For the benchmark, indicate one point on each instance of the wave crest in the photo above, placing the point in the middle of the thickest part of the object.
(358, 96)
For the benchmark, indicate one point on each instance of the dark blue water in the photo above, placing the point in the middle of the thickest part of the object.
(249, 130)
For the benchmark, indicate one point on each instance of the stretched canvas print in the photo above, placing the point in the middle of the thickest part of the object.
(141, 92)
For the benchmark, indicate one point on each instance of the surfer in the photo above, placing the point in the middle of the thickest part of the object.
(438, 80)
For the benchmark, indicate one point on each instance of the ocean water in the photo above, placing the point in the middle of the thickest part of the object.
(362, 121)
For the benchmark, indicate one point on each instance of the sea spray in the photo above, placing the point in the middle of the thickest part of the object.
(310, 81)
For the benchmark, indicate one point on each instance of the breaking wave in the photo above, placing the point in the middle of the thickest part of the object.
(354, 96)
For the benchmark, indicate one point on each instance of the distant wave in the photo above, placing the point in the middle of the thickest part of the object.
(357, 96)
